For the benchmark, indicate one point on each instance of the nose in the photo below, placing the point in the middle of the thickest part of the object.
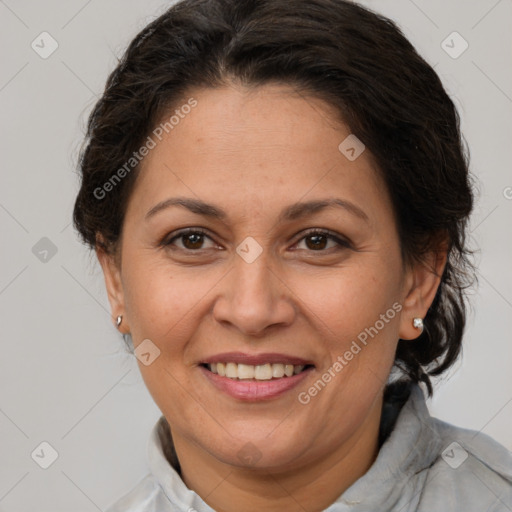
(254, 298)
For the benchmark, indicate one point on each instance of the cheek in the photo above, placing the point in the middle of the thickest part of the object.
(355, 312)
(165, 305)
(163, 302)
(349, 299)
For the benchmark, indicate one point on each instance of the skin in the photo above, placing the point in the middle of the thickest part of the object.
(252, 152)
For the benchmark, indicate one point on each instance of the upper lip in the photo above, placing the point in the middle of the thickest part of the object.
(256, 359)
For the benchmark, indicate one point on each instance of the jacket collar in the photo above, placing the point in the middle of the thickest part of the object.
(410, 443)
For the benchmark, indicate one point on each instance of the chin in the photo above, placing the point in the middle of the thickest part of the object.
(259, 450)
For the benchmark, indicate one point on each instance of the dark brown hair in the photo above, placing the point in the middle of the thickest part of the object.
(357, 61)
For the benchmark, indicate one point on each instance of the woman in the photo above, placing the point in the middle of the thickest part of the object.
(278, 195)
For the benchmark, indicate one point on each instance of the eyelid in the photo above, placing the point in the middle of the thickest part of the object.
(340, 240)
(169, 239)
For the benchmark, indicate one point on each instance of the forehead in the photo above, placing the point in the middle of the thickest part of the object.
(254, 147)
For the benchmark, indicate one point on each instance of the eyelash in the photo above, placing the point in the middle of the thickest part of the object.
(342, 243)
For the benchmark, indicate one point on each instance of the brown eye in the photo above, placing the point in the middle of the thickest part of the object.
(316, 241)
(193, 240)
(319, 241)
(190, 240)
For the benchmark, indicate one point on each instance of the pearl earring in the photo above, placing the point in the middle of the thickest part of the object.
(119, 319)
(418, 323)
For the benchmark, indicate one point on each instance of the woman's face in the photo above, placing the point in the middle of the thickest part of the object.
(254, 167)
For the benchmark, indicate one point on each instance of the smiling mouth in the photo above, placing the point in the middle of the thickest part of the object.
(261, 372)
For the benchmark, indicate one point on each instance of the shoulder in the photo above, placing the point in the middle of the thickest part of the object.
(141, 498)
(472, 472)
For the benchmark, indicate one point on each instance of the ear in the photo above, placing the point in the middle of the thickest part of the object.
(421, 284)
(112, 274)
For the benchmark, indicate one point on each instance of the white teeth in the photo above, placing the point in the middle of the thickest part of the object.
(298, 368)
(278, 370)
(259, 372)
(263, 372)
(245, 371)
(231, 370)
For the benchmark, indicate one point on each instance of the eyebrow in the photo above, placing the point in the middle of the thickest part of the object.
(292, 212)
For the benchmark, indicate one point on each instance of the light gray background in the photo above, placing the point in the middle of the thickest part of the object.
(64, 377)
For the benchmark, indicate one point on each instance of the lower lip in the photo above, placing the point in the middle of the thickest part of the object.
(254, 390)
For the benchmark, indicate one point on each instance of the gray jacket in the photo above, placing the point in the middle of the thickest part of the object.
(424, 465)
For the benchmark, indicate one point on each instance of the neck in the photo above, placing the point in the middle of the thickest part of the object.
(311, 485)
